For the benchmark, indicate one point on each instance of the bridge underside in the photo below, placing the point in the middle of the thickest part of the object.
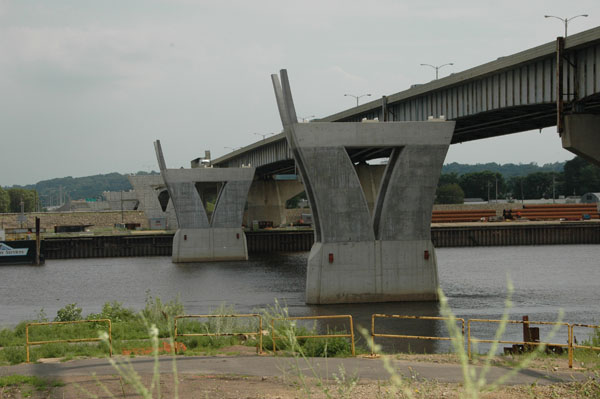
(517, 119)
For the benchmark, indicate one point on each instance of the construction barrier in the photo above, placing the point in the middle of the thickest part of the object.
(349, 317)
(377, 316)
(575, 345)
(28, 343)
(259, 347)
(525, 323)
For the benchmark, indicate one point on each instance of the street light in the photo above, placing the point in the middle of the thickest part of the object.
(306, 118)
(566, 20)
(437, 68)
(264, 136)
(357, 97)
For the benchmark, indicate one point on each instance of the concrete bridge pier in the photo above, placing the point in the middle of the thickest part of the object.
(154, 200)
(209, 205)
(267, 198)
(581, 136)
(362, 255)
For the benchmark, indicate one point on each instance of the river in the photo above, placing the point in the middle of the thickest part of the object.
(547, 279)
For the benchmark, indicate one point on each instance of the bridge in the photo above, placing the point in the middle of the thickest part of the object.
(372, 222)
(512, 94)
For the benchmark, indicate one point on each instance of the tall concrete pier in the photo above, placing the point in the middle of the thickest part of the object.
(205, 235)
(358, 255)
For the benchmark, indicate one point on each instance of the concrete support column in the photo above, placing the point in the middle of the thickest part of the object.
(204, 236)
(582, 136)
(362, 252)
(150, 191)
(267, 198)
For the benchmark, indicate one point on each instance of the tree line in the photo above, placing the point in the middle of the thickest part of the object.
(11, 198)
(577, 177)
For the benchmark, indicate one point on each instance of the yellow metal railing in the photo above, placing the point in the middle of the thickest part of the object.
(349, 317)
(403, 336)
(28, 343)
(525, 343)
(574, 346)
(259, 347)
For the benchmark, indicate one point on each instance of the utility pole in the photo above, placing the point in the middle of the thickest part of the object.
(488, 196)
(496, 189)
(553, 188)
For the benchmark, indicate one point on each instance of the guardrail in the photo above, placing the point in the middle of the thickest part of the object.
(574, 345)
(259, 347)
(28, 343)
(373, 334)
(524, 343)
(351, 335)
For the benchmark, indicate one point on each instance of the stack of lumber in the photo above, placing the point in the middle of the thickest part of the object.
(555, 212)
(462, 216)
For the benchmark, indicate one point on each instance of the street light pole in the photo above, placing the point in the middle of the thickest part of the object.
(437, 68)
(264, 136)
(565, 20)
(357, 97)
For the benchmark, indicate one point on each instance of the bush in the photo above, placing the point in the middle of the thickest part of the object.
(69, 313)
(115, 312)
(13, 354)
(450, 194)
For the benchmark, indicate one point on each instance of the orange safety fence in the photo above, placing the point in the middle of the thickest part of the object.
(28, 343)
(258, 333)
(403, 336)
(349, 317)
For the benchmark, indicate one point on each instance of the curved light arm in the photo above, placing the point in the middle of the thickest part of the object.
(566, 20)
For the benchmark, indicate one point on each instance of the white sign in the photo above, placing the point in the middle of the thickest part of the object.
(5, 250)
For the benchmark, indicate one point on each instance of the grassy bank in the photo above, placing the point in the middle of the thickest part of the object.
(130, 333)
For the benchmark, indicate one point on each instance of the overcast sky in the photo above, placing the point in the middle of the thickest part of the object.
(87, 86)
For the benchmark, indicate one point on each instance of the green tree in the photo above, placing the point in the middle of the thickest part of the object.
(449, 194)
(29, 198)
(448, 178)
(4, 201)
(479, 184)
(581, 177)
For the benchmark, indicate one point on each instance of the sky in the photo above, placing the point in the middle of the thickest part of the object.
(87, 86)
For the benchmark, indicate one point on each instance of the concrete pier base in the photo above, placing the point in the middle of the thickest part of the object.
(204, 245)
(379, 271)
